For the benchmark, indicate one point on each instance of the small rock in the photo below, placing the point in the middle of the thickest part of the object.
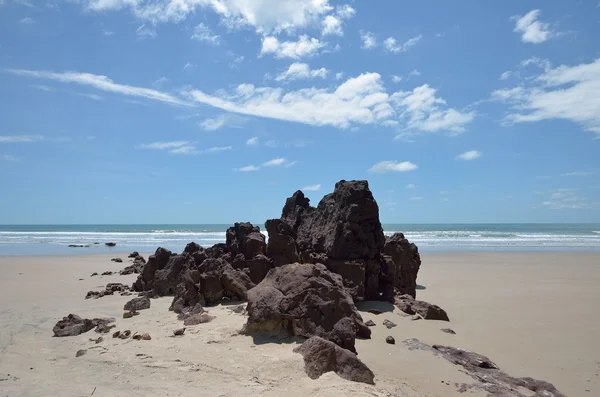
(118, 260)
(134, 254)
(80, 352)
(94, 274)
(110, 244)
(100, 339)
(179, 332)
(140, 303)
(448, 331)
(196, 319)
(136, 336)
(389, 324)
(117, 334)
(375, 311)
(238, 309)
(125, 334)
(128, 314)
(146, 337)
(370, 323)
(79, 279)
(107, 273)
(390, 340)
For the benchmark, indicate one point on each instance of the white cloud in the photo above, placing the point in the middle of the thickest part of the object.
(218, 149)
(531, 29)
(332, 26)
(236, 61)
(189, 65)
(275, 162)
(181, 147)
(224, 120)
(540, 63)
(396, 79)
(27, 21)
(567, 198)
(248, 168)
(578, 173)
(144, 32)
(304, 47)
(470, 155)
(20, 138)
(102, 83)
(95, 97)
(10, 158)
(392, 166)
(565, 92)
(264, 16)
(311, 188)
(204, 34)
(368, 40)
(339, 75)
(160, 82)
(410, 186)
(391, 45)
(414, 73)
(298, 71)
(107, 33)
(359, 100)
(424, 111)
(416, 198)
(252, 141)
(506, 75)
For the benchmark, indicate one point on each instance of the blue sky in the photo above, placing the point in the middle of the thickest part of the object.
(214, 111)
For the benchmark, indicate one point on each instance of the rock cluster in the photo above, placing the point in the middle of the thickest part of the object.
(73, 325)
(111, 289)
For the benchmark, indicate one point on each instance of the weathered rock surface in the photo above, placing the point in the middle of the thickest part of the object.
(140, 303)
(407, 263)
(321, 356)
(136, 267)
(409, 305)
(73, 325)
(487, 375)
(305, 300)
(344, 233)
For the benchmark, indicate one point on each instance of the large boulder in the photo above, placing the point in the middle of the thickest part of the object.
(244, 238)
(305, 300)
(407, 263)
(321, 356)
(343, 232)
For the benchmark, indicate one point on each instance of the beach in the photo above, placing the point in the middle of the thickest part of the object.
(532, 313)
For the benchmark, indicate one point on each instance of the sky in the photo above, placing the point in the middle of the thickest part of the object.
(215, 111)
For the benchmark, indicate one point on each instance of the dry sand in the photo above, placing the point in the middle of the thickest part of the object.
(534, 314)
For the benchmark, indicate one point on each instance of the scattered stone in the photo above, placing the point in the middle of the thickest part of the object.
(390, 340)
(104, 328)
(79, 279)
(94, 274)
(136, 336)
(110, 289)
(389, 324)
(110, 244)
(107, 273)
(80, 352)
(125, 334)
(321, 356)
(179, 332)
(117, 334)
(98, 340)
(370, 323)
(146, 337)
(73, 325)
(375, 311)
(118, 260)
(307, 300)
(195, 319)
(96, 243)
(134, 254)
(130, 314)
(140, 303)
(409, 305)
(448, 331)
(78, 246)
(239, 309)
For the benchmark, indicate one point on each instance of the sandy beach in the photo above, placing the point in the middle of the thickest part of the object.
(532, 313)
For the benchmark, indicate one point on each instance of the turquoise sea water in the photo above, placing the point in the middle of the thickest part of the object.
(54, 239)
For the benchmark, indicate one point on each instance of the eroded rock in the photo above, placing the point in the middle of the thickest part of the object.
(139, 303)
(409, 305)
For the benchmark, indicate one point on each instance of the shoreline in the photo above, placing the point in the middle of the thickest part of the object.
(531, 313)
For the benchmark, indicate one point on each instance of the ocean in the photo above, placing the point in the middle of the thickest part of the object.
(55, 239)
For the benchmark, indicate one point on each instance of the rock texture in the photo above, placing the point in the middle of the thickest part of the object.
(305, 300)
(136, 304)
(321, 356)
(344, 233)
(427, 311)
(407, 260)
(73, 325)
(487, 375)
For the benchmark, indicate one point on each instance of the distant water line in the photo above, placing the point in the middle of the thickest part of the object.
(55, 239)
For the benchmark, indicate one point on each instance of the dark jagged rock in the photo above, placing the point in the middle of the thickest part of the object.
(305, 300)
(192, 247)
(107, 273)
(407, 262)
(488, 377)
(118, 260)
(110, 244)
(73, 325)
(110, 289)
(390, 339)
(409, 305)
(167, 278)
(134, 254)
(246, 239)
(321, 356)
(136, 267)
(448, 331)
(140, 303)
(282, 243)
(343, 232)
(370, 323)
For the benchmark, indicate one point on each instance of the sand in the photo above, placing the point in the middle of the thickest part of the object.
(534, 314)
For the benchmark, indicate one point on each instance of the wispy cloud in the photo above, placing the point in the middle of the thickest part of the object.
(10, 158)
(224, 120)
(411, 186)
(279, 162)
(470, 155)
(27, 21)
(145, 32)
(189, 66)
(107, 33)
(416, 198)
(504, 198)
(20, 138)
(391, 45)
(311, 188)
(531, 29)
(204, 34)
(182, 147)
(578, 173)
(396, 79)
(567, 198)
(368, 40)
(248, 168)
(392, 166)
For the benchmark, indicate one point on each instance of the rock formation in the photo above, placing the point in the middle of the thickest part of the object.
(321, 356)
(408, 261)
(409, 305)
(305, 300)
(73, 325)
